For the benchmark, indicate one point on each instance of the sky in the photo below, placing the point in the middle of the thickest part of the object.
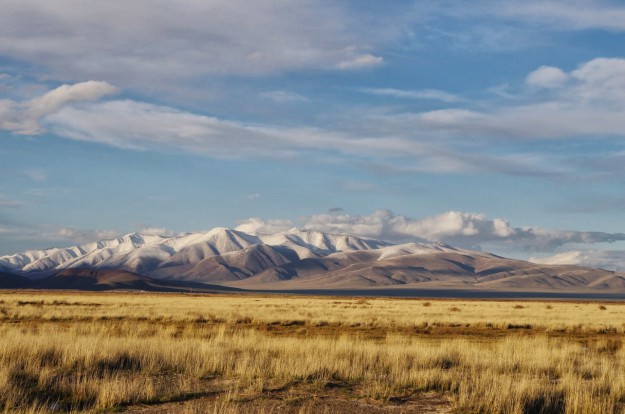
(493, 125)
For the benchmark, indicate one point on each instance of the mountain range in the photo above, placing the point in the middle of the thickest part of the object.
(293, 260)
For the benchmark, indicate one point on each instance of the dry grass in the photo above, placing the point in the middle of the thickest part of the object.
(98, 352)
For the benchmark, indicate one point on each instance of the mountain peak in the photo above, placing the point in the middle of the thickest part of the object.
(297, 259)
(142, 252)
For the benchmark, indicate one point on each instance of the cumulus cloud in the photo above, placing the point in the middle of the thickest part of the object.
(456, 228)
(24, 117)
(604, 259)
(255, 225)
(600, 80)
(547, 77)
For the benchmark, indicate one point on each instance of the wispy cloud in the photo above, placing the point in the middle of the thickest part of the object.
(512, 24)
(23, 117)
(586, 102)
(432, 94)
(7, 202)
(149, 45)
(157, 231)
(285, 97)
(36, 175)
(29, 236)
(142, 126)
(81, 236)
(359, 61)
(582, 103)
(564, 15)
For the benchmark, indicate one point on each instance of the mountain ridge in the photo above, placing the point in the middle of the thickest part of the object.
(180, 249)
(301, 259)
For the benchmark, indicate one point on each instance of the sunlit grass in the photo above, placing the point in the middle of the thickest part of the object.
(104, 351)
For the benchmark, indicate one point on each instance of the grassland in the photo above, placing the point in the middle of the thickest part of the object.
(245, 353)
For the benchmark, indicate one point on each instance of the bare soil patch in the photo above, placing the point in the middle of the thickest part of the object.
(303, 398)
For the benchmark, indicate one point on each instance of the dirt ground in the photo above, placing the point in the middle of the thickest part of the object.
(333, 398)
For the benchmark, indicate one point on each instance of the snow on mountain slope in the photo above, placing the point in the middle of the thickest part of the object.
(146, 253)
(414, 248)
(41, 260)
(213, 243)
(426, 266)
(309, 243)
(300, 259)
(232, 266)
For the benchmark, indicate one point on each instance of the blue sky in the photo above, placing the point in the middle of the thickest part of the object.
(493, 125)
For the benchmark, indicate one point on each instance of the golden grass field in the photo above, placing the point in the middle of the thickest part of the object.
(145, 352)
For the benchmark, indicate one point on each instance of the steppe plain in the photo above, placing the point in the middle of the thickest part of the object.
(244, 353)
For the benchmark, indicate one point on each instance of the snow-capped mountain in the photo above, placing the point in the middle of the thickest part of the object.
(296, 259)
(144, 254)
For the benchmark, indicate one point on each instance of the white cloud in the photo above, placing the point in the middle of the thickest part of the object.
(23, 117)
(433, 94)
(140, 44)
(564, 15)
(253, 196)
(588, 105)
(285, 97)
(81, 236)
(497, 18)
(142, 126)
(138, 125)
(360, 61)
(600, 81)
(547, 77)
(440, 141)
(456, 228)
(157, 231)
(604, 259)
(256, 225)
